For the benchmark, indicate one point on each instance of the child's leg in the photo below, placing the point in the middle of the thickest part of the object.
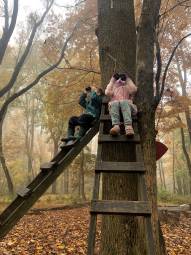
(126, 112)
(114, 108)
(73, 122)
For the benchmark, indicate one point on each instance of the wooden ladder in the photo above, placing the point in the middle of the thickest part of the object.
(48, 174)
(120, 207)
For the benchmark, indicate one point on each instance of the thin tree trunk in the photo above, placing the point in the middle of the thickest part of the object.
(188, 161)
(66, 181)
(54, 185)
(3, 162)
(162, 171)
(173, 164)
(160, 175)
(81, 177)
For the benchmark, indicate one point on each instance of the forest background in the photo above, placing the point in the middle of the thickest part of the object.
(32, 122)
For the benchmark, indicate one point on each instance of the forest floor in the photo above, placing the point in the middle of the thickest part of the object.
(64, 232)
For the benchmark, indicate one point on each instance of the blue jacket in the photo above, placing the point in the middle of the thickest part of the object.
(91, 104)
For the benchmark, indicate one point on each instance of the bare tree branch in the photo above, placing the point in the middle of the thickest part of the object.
(42, 74)
(20, 63)
(8, 31)
(70, 6)
(172, 8)
(84, 69)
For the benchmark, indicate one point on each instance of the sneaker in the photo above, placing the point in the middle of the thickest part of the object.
(129, 130)
(114, 131)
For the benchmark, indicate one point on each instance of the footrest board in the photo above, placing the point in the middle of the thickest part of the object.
(48, 165)
(135, 208)
(25, 192)
(119, 167)
(120, 138)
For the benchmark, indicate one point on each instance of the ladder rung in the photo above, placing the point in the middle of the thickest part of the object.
(107, 117)
(119, 167)
(136, 208)
(120, 138)
(105, 100)
(24, 192)
(48, 165)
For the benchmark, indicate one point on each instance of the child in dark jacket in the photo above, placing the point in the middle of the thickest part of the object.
(91, 101)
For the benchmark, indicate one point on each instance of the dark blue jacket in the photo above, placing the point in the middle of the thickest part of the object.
(91, 104)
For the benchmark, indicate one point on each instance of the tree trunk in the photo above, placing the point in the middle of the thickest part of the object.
(3, 162)
(117, 38)
(173, 164)
(66, 181)
(54, 185)
(163, 176)
(146, 104)
(81, 177)
(160, 175)
(188, 161)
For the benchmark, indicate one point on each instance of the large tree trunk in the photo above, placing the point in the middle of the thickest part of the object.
(146, 103)
(117, 38)
(3, 162)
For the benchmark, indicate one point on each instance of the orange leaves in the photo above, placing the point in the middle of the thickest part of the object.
(64, 232)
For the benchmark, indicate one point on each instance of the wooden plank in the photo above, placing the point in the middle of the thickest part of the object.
(105, 100)
(24, 192)
(41, 183)
(119, 167)
(120, 138)
(105, 117)
(48, 166)
(121, 207)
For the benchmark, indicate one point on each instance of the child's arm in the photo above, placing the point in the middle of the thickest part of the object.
(132, 88)
(109, 88)
(82, 100)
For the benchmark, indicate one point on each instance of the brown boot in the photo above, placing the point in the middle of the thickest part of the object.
(129, 130)
(114, 131)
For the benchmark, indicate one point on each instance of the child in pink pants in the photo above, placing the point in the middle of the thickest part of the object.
(120, 90)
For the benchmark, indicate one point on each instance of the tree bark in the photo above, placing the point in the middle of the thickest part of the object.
(146, 104)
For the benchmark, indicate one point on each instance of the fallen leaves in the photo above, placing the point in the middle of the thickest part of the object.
(64, 232)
